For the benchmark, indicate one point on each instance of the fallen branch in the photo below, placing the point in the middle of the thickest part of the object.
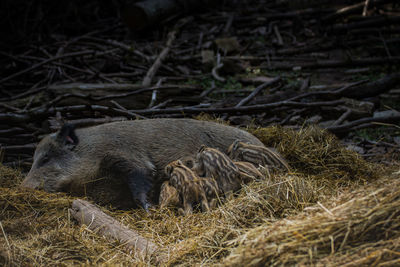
(357, 90)
(46, 112)
(256, 91)
(353, 9)
(233, 110)
(44, 62)
(157, 64)
(373, 22)
(328, 45)
(365, 10)
(291, 14)
(19, 148)
(368, 121)
(96, 220)
(373, 88)
(278, 36)
(129, 95)
(214, 72)
(333, 63)
(327, 92)
(133, 114)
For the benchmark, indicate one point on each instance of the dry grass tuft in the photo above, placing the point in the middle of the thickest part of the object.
(362, 228)
(37, 229)
(316, 152)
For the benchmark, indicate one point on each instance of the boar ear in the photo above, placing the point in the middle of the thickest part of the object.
(168, 170)
(201, 149)
(67, 137)
(233, 147)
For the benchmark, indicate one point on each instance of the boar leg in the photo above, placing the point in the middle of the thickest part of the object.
(213, 204)
(140, 186)
(187, 206)
(204, 204)
(139, 180)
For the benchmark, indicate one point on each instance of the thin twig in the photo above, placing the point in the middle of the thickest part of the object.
(74, 54)
(343, 117)
(278, 35)
(256, 91)
(157, 63)
(364, 13)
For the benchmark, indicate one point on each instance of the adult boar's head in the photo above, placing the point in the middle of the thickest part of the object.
(53, 161)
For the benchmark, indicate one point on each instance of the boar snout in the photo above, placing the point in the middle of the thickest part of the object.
(31, 182)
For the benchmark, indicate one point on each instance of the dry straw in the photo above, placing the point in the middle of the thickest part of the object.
(362, 230)
(262, 224)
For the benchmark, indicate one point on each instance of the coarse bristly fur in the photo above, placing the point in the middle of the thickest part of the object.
(133, 151)
(211, 162)
(187, 185)
(248, 172)
(169, 196)
(258, 155)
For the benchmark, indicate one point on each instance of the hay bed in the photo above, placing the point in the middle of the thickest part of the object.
(334, 209)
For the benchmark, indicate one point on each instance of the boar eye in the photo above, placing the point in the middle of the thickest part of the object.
(43, 161)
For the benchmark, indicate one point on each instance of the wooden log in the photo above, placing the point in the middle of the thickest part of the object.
(350, 62)
(130, 96)
(96, 220)
(369, 22)
(373, 88)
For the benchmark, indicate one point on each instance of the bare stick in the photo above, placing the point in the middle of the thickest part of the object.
(327, 93)
(215, 73)
(209, 90)
(278, 35)
(365, 8)
(162, 104)
(333, 63)
(228, 23)
(45, 112)
(344, 116)
(80, 53)
(373, 22)
(4, 105)
(157, 64)
(154, 94)
(367, 121)
(96, 220)
(200, 42)
(217, 66)
(352, 9)
(256, 91)
(117, 105)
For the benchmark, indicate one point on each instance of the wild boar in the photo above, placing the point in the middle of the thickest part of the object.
(258, 155)
(211, 190)
(248, 172)
(211, 162)
(187, 184)
(209, 184)
(134, 151)
(169, 196)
